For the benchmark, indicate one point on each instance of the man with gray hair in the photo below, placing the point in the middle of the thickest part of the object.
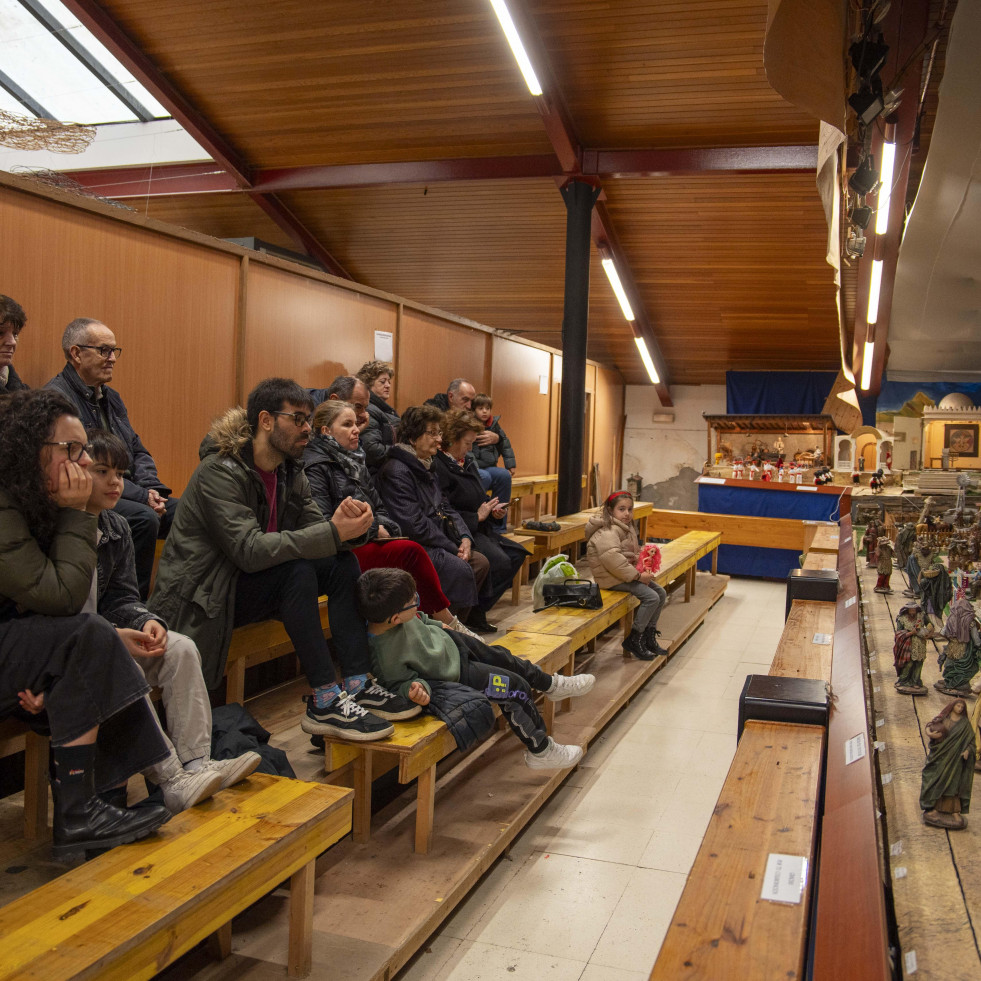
(459, 395)
(90, 359)
(346, 388)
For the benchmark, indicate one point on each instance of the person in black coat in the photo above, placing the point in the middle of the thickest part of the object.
(381, 433)
(460, 481)
(412, 496)
(12, 320)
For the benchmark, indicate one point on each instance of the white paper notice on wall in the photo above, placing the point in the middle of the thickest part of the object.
(821, 639)
(855, 748)
(384, 351)
(784, 879)
(543, 384)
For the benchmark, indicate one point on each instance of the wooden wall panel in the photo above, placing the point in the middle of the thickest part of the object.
(306, 329)
(518, 400)
(432, 352)
(607, 416)
(171, 304)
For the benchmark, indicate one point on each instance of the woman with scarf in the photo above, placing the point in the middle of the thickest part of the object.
(960, 657)
(335, 466)
(948, 776)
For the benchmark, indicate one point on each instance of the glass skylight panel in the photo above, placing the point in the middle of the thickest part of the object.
(41, 65)
(102, 54)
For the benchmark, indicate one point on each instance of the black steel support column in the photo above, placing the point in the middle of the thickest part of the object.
(579, 200)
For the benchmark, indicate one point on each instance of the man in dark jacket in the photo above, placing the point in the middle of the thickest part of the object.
(346, 388)
(12, 320)
(249, 543)
(459, 395)
(90, 356)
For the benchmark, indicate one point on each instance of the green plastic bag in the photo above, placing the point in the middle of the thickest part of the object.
(556, 568)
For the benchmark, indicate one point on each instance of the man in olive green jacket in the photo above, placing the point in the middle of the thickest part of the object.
(249, 543)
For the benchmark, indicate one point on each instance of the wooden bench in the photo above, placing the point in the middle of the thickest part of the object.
(798, 656)
(821, 536)
(581, 627)
(129, 913)
(680, 556)
(17, 736)
(256, 643)
(418, 744)
(722, 928)
(537, 486)
(820, 560)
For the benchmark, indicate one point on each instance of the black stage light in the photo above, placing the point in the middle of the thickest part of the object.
(865, 176)
(861, 216)
(867, 105)
(868, 55)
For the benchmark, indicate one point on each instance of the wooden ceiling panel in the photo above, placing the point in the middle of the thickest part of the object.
(294, 83)
(637, 73)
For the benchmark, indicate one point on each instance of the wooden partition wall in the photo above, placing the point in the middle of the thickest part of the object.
(201, 321)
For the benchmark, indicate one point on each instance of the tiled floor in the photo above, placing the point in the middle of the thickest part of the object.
(589, 888)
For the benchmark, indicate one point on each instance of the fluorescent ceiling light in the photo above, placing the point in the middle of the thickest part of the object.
(645, 356)
(875, 284)
(517, 48)
(867, 365)
(611, 274)
(885, 188)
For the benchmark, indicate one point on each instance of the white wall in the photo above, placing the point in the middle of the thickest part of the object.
(669, 455)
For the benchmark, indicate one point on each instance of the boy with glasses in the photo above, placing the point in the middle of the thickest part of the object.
(249, 544)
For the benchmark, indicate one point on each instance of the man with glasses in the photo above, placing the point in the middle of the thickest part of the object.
(90, 358)
(249, 543)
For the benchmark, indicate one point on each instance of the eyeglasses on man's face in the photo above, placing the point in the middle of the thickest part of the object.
(105, 351)
(73, 448)
(299, 418)
(412, 605)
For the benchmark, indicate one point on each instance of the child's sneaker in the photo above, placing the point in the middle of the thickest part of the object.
(555, 756)
(569, 686)
(386, 704)
(234, 770)
(457, 624)
(344, 719)
(189, 788)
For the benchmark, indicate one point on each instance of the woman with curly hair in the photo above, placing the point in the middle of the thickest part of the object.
(382, 432)
(54, 659)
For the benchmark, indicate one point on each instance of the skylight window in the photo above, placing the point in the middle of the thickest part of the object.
(64, 70)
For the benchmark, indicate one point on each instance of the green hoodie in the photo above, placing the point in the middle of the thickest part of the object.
(414, 651)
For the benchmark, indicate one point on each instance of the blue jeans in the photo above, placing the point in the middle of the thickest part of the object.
(498, 481)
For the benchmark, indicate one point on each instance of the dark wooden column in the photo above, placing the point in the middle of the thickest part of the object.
(579, 198)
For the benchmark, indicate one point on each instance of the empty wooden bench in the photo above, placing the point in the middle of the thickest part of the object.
(722, 927)
(418, 744)
(806, 646)
(129, 913)
(680, 556)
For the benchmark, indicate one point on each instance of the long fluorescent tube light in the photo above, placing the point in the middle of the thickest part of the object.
(517, 48)
(885, 188)
(645, 356)
(867, 365)
(611, 274)
(875, 285)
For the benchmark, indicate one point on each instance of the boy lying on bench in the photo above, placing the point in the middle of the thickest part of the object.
(408, 647)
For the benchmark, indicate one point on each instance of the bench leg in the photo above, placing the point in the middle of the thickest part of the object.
(361, 818)
(35, 786)
(235, 683)
(715, 561)
(301, 921)
(538, 507)
(220, 941)
(688, 585)
(425, 809)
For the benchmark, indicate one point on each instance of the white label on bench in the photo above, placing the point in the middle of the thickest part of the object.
(806, 487)
(900, 872)
(710, 480)
(880, 722)
(896, 848)
(785, 878)
(821, 639)
(849, 602)
(879, 745)
(886, 778)
(910, 961)
(855, 748)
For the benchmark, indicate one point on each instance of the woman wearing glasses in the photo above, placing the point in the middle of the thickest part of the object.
(412, 496)
(71, 666)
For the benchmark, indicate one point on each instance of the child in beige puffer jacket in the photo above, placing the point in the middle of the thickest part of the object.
(612, 549)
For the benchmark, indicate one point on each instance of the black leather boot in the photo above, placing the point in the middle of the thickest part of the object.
(650, 641)
(633, 643)
(477, 621)
(83, 822)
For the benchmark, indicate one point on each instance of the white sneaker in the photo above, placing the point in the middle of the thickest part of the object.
(569, 686)
(189, 788)
(555, 756)
(232, 771)
(457, 624)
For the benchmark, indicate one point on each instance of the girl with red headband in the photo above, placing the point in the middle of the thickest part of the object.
(613, 548)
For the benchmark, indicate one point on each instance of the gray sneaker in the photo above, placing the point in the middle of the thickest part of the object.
(569, 686)
(232, 771)
(555, 756)
(190, 788)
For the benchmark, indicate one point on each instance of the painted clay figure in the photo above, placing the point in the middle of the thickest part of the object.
(948, 775)
(869, 541)
(883, 564)
(959, 660)
(875, 482)
(754, 470)
(905, 541)
(913, 630)
(928, 579)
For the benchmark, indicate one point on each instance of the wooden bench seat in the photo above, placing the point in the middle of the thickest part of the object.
(418, 744)
(798, 656)
(680, 556)
(722, 928)
(821, 536)
(129, 913)
(820, 560)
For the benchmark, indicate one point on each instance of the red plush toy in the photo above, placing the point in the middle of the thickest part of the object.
(649, 559)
